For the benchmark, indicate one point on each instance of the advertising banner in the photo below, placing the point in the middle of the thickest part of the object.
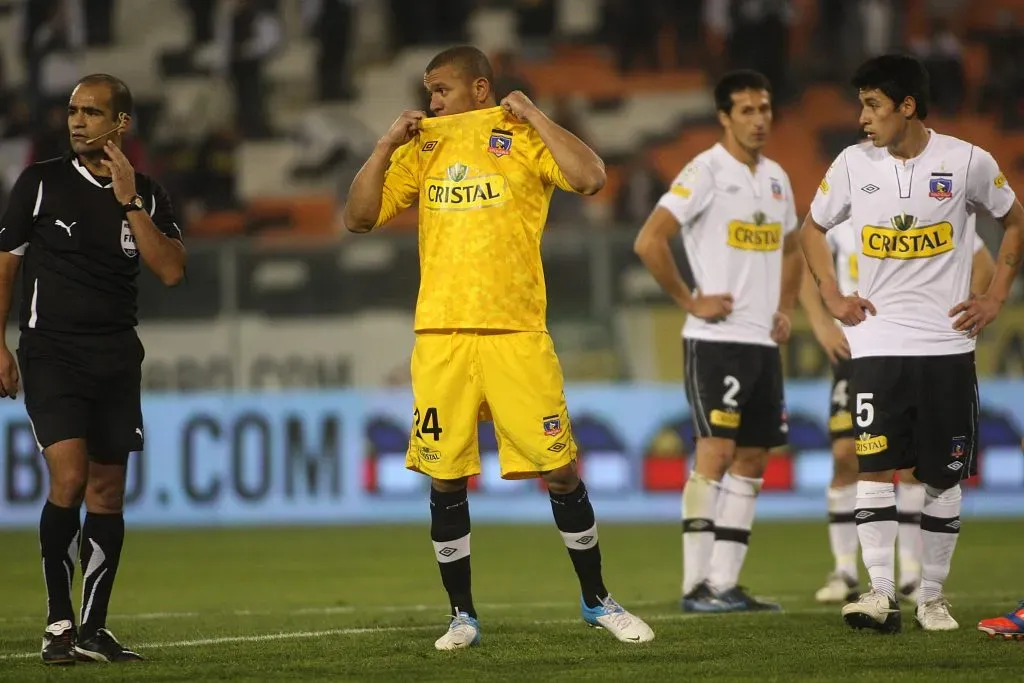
(337, 457)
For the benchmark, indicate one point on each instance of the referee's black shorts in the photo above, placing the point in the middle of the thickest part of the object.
(84, 387)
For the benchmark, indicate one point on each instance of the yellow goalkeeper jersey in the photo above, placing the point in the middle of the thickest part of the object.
(484, 182)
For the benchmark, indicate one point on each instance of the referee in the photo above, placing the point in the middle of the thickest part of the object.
(82, 224)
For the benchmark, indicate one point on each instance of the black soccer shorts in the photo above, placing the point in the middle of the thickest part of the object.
(840, 419)
(917, 412)
(735, 392)
(88, 388)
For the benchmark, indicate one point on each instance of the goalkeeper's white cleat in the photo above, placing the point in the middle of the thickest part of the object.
(463, 632)
(934, 616)
(874, 610)
(611, 616)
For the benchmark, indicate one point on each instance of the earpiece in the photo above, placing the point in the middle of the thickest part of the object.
(122, 121)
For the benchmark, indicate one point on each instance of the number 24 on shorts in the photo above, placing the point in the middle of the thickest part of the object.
(430, 425)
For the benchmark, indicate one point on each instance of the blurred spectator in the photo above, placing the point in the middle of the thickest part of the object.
(202, 13)
(535, 19)
(330, 23)
(567, 207)
(684, 20)
(248, 34)
(756, 37)
(631, 28)
(214, 176)
(1003, 90)
(837, 33)
(641, 189)
(99, 22)
(428, 22)
(507, 76)
(48, 29)
(51, 139)
(942, 56)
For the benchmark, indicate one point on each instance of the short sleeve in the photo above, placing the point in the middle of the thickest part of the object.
(401, 183)
(987, 187)
(831, 203)
(20, 212)
(690, 193)
(550, 173)
(161, 210)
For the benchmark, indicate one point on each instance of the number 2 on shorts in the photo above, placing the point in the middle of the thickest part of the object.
(430, 424)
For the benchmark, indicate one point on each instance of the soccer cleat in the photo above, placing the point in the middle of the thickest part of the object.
(838, 588)
(934, 616)
(611, 616)
(1009, 626)
(737, 599)
(908, 592)
(701, 600)
(875, 611)
(464, 631)
(102, 646)
(59, 643)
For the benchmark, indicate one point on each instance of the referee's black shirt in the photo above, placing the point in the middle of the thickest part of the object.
(80, 259)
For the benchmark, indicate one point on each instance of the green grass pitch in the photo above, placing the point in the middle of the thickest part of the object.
(365, 604)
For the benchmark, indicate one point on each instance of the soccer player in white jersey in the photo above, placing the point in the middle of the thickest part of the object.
(911, 325)
(734, 209)
(842, 583)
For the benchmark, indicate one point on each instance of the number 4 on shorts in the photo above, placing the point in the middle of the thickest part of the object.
(430, 424)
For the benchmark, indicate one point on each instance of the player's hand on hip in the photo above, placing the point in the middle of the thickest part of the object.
(850, 310)
(405, 128)
(122, 175)
(711, 307)
(833, 343)
(8, 374)
(519, 105)
(781, 327)
(974, 314)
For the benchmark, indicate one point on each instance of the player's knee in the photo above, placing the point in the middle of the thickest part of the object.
(907, 477)
(563, 480)
(104, 491)
(449, 485)
(750, 462)
(844, 463)
(944, 496)
(885, 477)
(67, 488)
(713, 457)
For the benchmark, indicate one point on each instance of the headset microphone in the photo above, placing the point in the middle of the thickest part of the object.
(121, 123)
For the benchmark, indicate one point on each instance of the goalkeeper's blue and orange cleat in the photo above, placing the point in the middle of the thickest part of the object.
(1009, 626)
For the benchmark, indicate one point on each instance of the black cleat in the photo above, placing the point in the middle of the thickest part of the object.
(102, 646)
(59, 643)
(737, 599)
(702, 600)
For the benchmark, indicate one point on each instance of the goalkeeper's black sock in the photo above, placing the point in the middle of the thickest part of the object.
(574, 516)
(449, 530)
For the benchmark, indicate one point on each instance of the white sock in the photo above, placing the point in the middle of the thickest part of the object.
(909, 502)
(700, 497)
(940, 527)
(842, 529)
(876, 530)
(735, 517)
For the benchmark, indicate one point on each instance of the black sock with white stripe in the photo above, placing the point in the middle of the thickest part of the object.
(59, 530)
(102, 538)
(449, 530)
(574, 517)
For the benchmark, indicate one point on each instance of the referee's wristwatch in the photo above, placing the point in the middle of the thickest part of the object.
(134, 204)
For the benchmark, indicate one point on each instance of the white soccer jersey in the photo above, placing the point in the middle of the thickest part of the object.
(914, 247)
(733, 222)
(842, 240)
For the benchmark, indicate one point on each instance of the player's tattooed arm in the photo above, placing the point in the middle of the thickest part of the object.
(1009, 253)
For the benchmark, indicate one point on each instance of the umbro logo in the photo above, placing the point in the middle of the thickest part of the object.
(61, 224)
(447, 551)
(864, 514)
(870, 189)
(585, 540)
(955, 524)
(955, 466)
(699, 524)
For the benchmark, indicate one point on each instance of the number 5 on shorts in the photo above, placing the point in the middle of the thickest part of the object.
(430, 424)
(865, 411)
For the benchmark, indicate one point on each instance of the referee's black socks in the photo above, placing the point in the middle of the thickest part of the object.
(449, 530)
(574, 517)
(102, 538)
(59, 530)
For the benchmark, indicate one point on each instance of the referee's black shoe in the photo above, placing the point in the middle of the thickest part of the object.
(59, 643)
(102, 646)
